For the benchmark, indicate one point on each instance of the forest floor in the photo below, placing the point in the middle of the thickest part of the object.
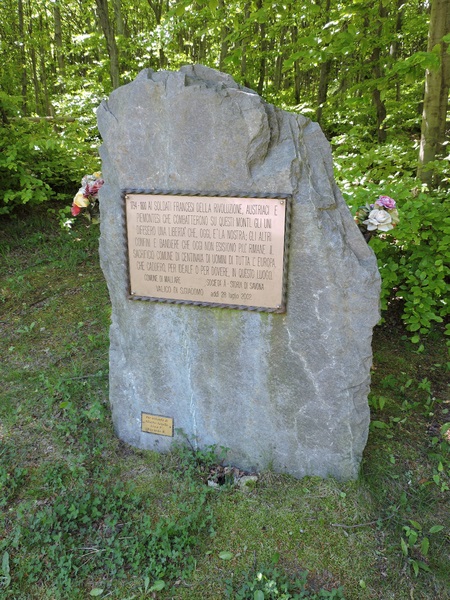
(84, 515)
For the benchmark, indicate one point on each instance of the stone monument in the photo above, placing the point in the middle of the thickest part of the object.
(243, 294)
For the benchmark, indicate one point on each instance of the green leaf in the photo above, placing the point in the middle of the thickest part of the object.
(5, 564)
(404, 547)
(275, 558)
(436, 528)
(96, 592)
(412, 538)
(379, 425)
(424, 566)
(158, 586)
(180, 10)
(445, 427)
(225, 555)
(258, 595)
(424, 546)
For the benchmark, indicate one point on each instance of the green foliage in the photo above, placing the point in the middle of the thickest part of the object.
(415, 545)
(11, 478)
(38, 162)
(194, 460)
(440, 455)
(5, 579)
(79, 534)
(271, 583)
(89, 526)
(414, 258)
(415, 261)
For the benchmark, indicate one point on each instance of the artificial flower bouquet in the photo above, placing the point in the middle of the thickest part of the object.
(380, 217)
(86, 199)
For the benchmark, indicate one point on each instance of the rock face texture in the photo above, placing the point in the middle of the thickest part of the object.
(282, 391)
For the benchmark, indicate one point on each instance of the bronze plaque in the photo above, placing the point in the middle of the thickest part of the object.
(207, 250)
(157, 424)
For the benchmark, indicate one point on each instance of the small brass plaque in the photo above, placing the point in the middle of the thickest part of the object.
(207, 250)
(157, 424)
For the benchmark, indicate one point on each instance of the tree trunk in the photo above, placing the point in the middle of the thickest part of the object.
(377, 74)
(262, 50)
(244, 44)
(395, 45)
(437, 83)
(325, 69)
(23, 58)
(223, 37)
(297, 73)
(118, 17)
(113, 51)
(157, 8)
(33, 60)
(48, 108)
(59, 45)
(278, 76)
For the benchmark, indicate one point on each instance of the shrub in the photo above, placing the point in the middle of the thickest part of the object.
(39, 163)
(414, 258)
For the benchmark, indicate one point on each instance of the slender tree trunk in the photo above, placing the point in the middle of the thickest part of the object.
(108, 32)
(278, 76)
(120, 29)
(437, 83)
(325, 69)
(157, 8)
(244, 48)
(297, 73)
(23, 58)
(322, 92)
(33, 60)
(59, 45)
(223, 36)
(48, 108)
(377, 73)
(36, 86)
(262, 50)
(395, 46)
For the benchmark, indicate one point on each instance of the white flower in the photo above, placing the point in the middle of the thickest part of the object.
(379, 219)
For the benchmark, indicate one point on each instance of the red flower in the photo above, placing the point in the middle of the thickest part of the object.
(93, 188)
(75, 210)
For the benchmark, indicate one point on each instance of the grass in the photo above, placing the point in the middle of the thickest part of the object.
(83, 514)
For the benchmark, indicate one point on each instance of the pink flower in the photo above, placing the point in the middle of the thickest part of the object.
(93, 188)
(386, 202)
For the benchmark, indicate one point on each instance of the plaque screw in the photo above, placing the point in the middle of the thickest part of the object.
(281, 201)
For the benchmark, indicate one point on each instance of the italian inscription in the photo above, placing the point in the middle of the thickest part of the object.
(213, 250)
(157, 424)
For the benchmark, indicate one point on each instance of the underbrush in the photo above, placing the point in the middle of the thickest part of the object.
(414, 257)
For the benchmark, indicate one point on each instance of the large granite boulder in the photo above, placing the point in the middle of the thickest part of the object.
(283, 391)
